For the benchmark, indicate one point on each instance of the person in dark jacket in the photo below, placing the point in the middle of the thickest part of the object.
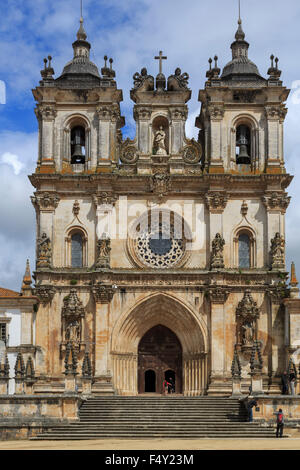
(279, 422)
(250, 407)
(171, 385)
(292, 383)
(284, 383)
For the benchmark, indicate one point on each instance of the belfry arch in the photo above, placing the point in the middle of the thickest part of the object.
(170, 312)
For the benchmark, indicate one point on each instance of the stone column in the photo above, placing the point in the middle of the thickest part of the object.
(104, 203)
(142, 116)
(216, 113)
(276, 203)
(46, 114)
(107, 118)
(103, 295)
(218, 297)
(45, 204)
(275, 330)
(275, 118)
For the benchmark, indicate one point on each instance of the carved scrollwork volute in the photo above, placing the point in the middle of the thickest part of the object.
(178, 80)
(192, 152)
(143, 81)
(128, 152)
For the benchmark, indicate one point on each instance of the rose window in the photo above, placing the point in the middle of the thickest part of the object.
(160, 243)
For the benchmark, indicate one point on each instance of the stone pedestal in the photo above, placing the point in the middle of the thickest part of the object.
(70, 383)
(256, 384)
(19, 386)
(86, 385)
(236, 387)
(29, 387)
(4, 385)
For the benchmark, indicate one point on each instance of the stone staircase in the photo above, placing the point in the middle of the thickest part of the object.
(159, 417)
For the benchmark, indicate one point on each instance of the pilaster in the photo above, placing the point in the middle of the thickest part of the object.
(103, 295)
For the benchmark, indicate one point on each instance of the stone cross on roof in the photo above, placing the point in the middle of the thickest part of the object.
(160, 57)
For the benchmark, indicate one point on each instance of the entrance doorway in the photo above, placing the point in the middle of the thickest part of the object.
(159, 358)
(150, 381)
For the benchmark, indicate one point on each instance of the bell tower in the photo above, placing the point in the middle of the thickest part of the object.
(78, 114)
(242, 115)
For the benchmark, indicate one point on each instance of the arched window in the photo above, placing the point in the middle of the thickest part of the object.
(76, 250)
(244, 250)
(243, 145)
(78, 144)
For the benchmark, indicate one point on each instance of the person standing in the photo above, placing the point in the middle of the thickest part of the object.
(284, 383)
(292, 381)
(165, 387)
(171, 385)
(250, 407)
(279, 422)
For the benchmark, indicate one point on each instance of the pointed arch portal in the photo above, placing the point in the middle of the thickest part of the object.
(159, 335)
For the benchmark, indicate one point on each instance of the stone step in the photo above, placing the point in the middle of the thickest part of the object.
(213, 435)
(161, 417)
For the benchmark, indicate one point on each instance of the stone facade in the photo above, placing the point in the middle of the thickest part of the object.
(159, 231)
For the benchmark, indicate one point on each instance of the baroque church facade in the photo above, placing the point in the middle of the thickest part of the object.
(160, 256)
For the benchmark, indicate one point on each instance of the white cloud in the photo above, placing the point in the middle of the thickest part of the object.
(17, 222)
(12, 160)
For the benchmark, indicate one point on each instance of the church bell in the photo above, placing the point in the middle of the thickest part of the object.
(243, 157)
(77, 144)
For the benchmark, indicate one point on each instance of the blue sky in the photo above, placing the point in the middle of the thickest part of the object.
(132, 32)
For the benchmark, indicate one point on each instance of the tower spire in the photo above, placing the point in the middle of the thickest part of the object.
(81, 34)
(240, 35)
(26, 285)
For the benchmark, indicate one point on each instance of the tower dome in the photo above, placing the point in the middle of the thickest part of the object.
(240, 67)
(80, 69)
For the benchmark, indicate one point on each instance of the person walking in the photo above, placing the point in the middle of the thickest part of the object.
(284, 383)
(279, 422)
(165, 387)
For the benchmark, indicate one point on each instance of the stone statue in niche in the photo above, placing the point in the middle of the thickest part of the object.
(44, 251)
(248, 333)
(104, 249)
(73, 333)
(159, 145)
(277, 251)
(217, 261)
